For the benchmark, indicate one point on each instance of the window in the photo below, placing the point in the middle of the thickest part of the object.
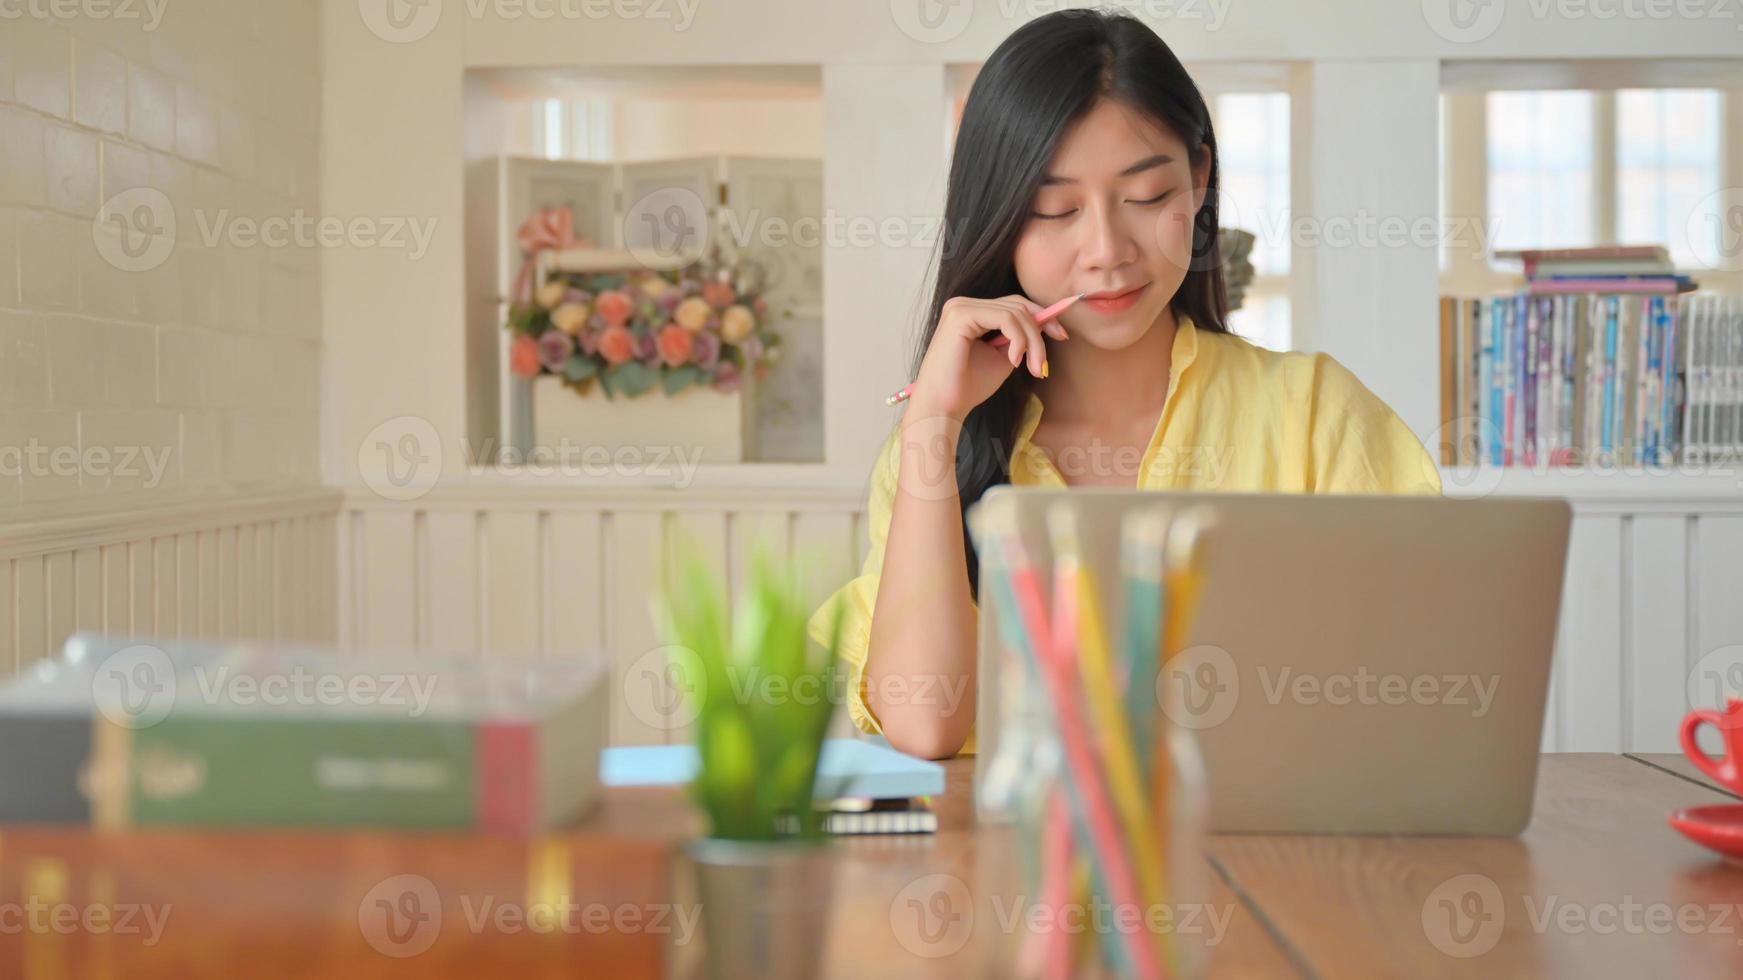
(1540, 153)
(1253, 150)
(1585, 167)
(572, 130)
(1667, 165)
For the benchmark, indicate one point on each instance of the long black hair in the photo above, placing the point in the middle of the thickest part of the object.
(1044, 77)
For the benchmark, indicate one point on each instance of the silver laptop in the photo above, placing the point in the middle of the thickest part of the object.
(1358, 664)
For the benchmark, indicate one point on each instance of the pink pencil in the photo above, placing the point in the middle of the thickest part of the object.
(999, 340)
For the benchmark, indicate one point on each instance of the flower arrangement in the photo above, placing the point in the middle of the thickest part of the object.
(629, 330)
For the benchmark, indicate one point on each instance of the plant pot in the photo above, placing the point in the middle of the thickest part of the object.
(764, 906)
(651, 429)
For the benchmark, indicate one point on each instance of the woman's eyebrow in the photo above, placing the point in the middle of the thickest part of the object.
(1159, 160)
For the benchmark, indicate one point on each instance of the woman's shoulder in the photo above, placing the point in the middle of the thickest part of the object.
(1354, 441)
(1296, 378)
(1287, 375)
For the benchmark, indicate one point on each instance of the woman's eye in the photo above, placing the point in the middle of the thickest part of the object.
(1051, 217)
(1154, 200)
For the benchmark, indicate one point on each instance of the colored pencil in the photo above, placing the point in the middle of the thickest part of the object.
(1022, 604)
(1077, 627)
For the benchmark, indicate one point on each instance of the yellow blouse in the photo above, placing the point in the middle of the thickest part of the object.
(1236, 417)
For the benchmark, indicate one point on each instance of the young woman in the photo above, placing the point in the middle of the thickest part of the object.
(1085, 163)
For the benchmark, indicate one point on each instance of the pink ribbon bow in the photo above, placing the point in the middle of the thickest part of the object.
(551, 228)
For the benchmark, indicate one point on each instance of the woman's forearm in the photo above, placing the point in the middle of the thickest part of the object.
(920, 665)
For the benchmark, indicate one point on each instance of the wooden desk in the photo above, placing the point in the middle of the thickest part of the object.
(1598, 886)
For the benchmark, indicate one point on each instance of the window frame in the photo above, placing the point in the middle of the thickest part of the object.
(1465, 165)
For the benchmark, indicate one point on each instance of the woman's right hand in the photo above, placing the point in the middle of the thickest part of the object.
(961, 370)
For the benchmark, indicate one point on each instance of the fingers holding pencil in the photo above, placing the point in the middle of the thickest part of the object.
(957, 373)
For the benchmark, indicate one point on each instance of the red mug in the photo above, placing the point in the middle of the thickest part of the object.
(1730, 725)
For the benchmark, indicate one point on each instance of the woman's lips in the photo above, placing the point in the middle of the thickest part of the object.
(1115, 304)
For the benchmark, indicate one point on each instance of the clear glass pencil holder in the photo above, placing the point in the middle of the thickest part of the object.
(1060, 916)
(1104, 805)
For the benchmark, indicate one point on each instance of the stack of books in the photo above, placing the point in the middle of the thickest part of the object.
(1625, 269)
(127, 733)
(1594, 363)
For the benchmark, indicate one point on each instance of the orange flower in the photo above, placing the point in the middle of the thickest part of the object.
(718, 294)
(523, 357)
(616, 345)
(677, 345)
(614, 307)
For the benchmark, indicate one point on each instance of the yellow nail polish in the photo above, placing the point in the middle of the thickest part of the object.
(1043, 368)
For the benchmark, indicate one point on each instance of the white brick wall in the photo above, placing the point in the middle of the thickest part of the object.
(211, 355)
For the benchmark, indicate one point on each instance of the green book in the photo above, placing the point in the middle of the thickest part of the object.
(170, 733)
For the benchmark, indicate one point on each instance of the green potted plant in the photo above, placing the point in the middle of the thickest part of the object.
(766, 697)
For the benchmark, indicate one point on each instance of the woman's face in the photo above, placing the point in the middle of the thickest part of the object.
(1113, 218)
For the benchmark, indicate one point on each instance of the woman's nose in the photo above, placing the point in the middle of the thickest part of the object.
(1106, 243)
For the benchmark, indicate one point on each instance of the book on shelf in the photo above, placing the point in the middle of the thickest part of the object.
(1591, 379)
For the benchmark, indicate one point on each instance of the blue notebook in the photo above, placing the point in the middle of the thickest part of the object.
(849, 767)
